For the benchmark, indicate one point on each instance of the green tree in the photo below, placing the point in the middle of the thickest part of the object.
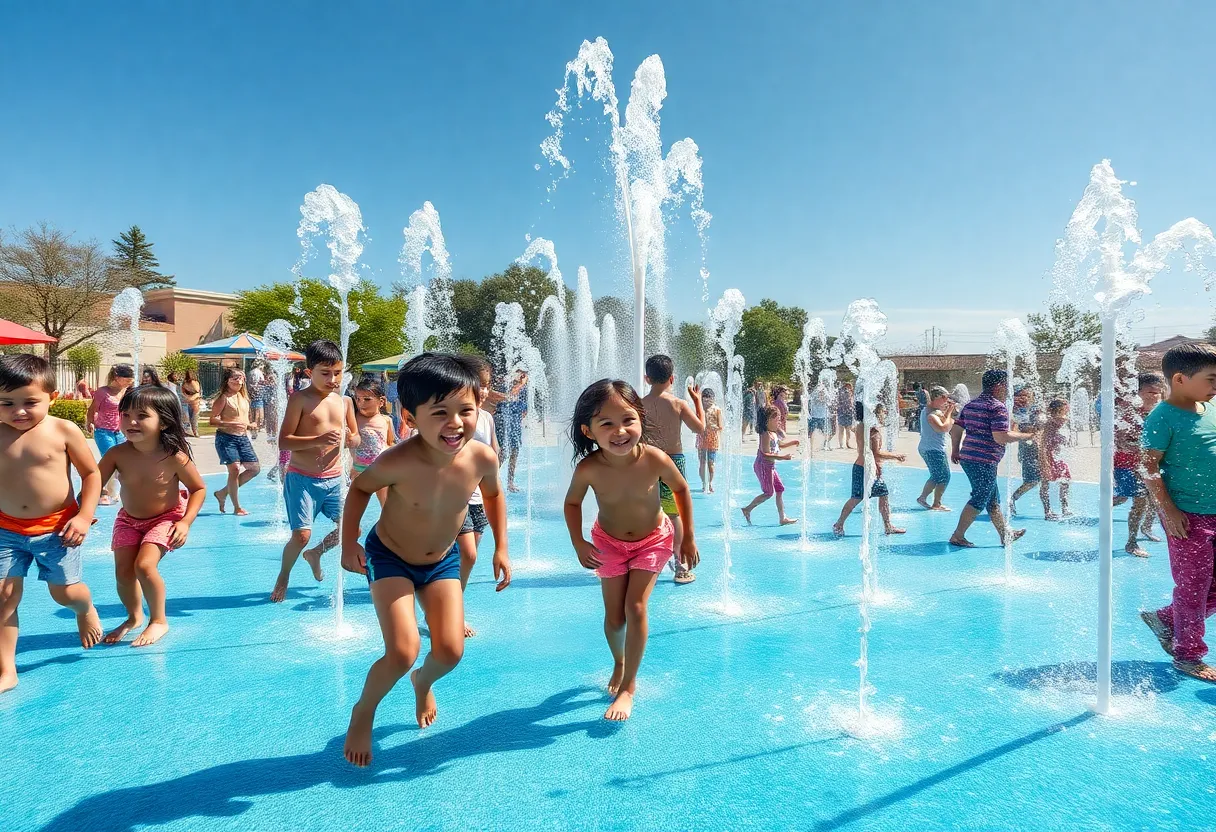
(692, 352)
(1063, 324)
(622, 312)
(1210, 335)
(83, 358)
(475, 301)
(380, 318)
(178, 362)
(769, 338)
(135, 263)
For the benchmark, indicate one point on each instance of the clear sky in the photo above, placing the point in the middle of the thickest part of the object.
(924, 154)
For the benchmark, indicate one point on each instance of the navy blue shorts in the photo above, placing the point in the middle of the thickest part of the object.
(382, 562)
(938, 465)
(984, 492)
(877, 489)
(1031, 471)
(233, 448)
(1128, 484)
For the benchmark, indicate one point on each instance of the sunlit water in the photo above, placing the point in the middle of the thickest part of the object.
(235, 720)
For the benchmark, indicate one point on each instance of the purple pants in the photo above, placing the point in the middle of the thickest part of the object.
(1193, 564)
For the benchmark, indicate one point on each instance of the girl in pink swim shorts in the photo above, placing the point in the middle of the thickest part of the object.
(162, 493)
(631, 539)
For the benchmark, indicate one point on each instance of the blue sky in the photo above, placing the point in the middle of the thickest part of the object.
(928, 157)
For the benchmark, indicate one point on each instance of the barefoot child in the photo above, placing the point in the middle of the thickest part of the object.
(375, 429)
(230, 418)
(412, 549)
(1054, 468)
(709, 440)
(102, 419)
(476, 522)
(768, 452)
(40, 519)
(936, 420)
(318, 424)
(631, 538)
(664, 415)
(156, 465)
(1180, 456)
(878, 488)
(1129, 464)
(1029, 419)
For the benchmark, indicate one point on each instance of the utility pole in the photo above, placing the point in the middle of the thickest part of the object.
(933, 341)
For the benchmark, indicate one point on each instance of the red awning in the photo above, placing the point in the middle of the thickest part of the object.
(11, 333)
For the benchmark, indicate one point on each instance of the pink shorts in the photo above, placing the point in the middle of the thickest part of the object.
(131, 531)
(1059, 471)
(617, 557)
(770, 480)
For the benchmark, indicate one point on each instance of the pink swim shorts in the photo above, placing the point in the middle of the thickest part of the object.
(649, 554)
(1059, 471)
(770, 480)
(132, 531)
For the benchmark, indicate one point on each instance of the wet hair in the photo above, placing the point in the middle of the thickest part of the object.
(484, 369)
(766, 414)
(660, 369)
(120, 371)
(708, 394)
(937, 391)
(372, 385)
(322, 351)
(162, 402)
(151, 372)
(993, 378)
(433, 376)
(1149, 380)
(591, 401)
(1188, 359)
(1056, 406)
(23, 370)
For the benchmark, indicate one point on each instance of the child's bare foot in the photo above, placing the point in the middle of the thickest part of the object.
(8, 681)
(240, 512)
(747, 515)
(119, 633)
(924, 503)
(1067, 513)
(1133, 548)
(220, 497)
(614, 682)
(788, 521)
(1196, 670)
(313, 556)
(513, 488)
(1165, 636)
(1014, 534)
(151, 634)
(358, 748)
(425, 706)
(105, 500)
(279, 592)
(962, 542)
(838, 529)
(89, 625)
(469, 632)
(894, 530)
(939, 507)
(1148, 535)
(711, 489)
(1050, 515)
(621, 707)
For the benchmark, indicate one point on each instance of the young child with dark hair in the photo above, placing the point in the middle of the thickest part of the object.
(709, 440)
(412, 550)
(1129, 462)
(1179, 460)
(161, 495)
(102, 419)
(40, 519)
(476, 521)
(665, 413)
(1051, 463)
(375, 428)
(318, 424)
(879, 487)
(768, 452)
(631, 540)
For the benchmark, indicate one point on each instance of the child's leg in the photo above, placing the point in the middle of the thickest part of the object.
(845, 511)
(78, 599)
(701, 463)
(394, 601)
(10, 599)
(1023, 489)
(251, 471)
(512, 462)
(614, 590)
(230, 486)
(712, 463)
(153, 586)
(1192, 562)
(1135, 516)
(128, 593)
(750, 507)
(443, 605)
(781, 515)
(884, 509)
(291, 553)
(637, 628)
(676, 539)
(1064, 486)
(1045, 496)
(468, 543)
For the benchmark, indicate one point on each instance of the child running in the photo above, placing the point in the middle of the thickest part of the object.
(632, 537)
(768, 453)
(412, 549)
(230, 418)
(1180, 456)
(318, 424)
(1054, 468)
(665, 413)
(40, 519)
(878, 488)
(709, 440)
(1129, 463)
(1028, 418)
(161, 495)
(103, 421)
(476, 522)
(375, 429)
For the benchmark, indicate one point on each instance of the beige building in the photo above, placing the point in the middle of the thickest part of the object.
(193, 316)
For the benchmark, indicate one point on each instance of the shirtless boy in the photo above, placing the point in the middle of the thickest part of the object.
(39, 517)
(319, 422)
(665, 413)
(412, 550)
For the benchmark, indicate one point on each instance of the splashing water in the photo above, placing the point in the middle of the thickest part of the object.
(424, 233)
(814, 341)
(1075, 360)
(125, 311)
(610, 360)
(540, 248)
(277, 343)
(727, 320)
(1012, 343)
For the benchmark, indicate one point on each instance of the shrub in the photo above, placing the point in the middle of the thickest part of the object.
(84, 358)
(73, 410)
(178, 362)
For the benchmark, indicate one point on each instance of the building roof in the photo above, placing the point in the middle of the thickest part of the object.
(977, 362)
(1162, 347)
(198, 295)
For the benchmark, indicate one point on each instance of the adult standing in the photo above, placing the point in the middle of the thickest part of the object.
(192, 395)
(979, 437)
(509, 422)
(936, 421)
(819, 405)
(845, 416)
(922, 401)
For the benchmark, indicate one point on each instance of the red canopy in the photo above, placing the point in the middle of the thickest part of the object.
(11, 333)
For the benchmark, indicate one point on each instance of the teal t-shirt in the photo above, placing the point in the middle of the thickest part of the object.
(1188, 442)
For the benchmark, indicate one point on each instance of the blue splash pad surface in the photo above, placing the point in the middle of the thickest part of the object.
(235, 720)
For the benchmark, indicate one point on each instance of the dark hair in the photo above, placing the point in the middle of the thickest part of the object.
(660, 369)
(173, 377)
(1188, 359)
(993, 378)
(1056, 405)
(484, 368)
(120, 371)
(322, 351)
(764, 414)
(779, 390)
(25, 369)
(708, 393)
(151, 371)
(591, 401)
(164, 404)
(435, 375)
(1149, 380)
(859, 412)
(372, 385)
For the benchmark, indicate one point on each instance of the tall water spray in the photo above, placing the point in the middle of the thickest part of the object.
(727, 321)
(1075, 360)
(646, 179)
(609, 365)
(814, 340)
(1012, 343)
(1091, 269)
(327, 210)
(435, 315)
(277, 342)
(125, 311)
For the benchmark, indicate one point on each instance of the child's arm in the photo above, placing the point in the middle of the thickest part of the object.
(389, 433)
(1172, 518)
(289, 441)
(956, 442)
(573, 509)
(352, 426)
(73, 533)
(361, 490)
(764, 443)
(695, 420)
(670, 474)
(789, 443)
(496, 512)
(189, 476)
(90, 416)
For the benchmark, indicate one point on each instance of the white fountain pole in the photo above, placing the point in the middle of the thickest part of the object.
(1106, 491)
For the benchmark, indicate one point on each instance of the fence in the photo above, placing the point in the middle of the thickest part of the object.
(209, 377)
(65, 378)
